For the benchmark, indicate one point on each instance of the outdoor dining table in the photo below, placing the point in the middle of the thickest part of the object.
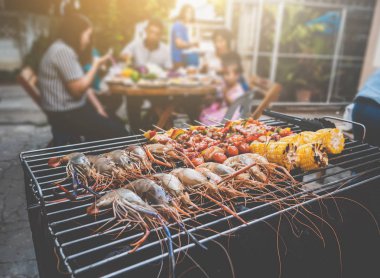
(174, 93)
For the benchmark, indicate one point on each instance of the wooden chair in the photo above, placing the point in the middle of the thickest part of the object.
(247, 102)
(268, 89)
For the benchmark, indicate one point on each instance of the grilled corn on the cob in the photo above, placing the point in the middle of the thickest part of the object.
(281, 153)
(311, 156)
(332, 139)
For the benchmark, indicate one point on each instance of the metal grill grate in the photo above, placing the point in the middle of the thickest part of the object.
(85, 252)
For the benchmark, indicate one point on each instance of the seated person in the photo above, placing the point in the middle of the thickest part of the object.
(230, 92)
(64, 85)
(212, 61)
(180, 39)
(151, 50)
(367, 110)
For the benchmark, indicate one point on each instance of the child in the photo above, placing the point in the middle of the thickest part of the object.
(231, 91)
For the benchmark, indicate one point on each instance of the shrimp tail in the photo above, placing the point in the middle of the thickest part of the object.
(186, 199)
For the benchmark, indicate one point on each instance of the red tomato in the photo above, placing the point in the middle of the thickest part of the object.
(252, 138)
(232, 151)
(197, 161)
(244, 148)
(219, 157)
(236, 144)
(202, 146)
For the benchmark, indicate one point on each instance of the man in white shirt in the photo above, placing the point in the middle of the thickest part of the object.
(150, 50)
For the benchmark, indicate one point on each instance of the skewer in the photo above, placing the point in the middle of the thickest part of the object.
(211, 120)
(159, 128)
(198, 122)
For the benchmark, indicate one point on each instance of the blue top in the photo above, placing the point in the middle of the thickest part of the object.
(96, 83)
(371, 88)
(179, 30)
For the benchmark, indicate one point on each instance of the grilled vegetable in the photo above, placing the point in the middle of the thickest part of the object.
(311, 156)
(281, 153)
(332, 139)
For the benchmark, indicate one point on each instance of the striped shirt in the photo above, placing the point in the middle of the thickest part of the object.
(59, 65)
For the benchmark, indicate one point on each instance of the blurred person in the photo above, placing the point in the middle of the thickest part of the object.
(151, 50)
(180, 39)
(212, 61)
(367, 110)
(230, 92)
(64, 85)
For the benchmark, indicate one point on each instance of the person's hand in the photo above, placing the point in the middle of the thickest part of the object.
(98, 61)
(102, 112)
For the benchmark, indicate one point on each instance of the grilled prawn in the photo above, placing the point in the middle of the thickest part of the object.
(128, 207)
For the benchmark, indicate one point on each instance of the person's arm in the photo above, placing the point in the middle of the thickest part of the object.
(79, 86)
(93, 99)
(181, 37)
(181, 44)
(127, 52)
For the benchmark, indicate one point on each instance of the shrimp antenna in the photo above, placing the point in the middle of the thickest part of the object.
(170, 249)
(168, 236)
(192, 237)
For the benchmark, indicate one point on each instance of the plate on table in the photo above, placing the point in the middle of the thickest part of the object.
(184, 82)
(152, 84)
(117, 80)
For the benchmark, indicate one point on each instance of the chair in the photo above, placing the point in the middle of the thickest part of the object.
(28, 80)
(247, 102)
(270, 90)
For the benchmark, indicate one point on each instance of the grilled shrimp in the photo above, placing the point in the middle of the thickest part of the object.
(222, 170)
(192, 178)
(166, 155)
(129, 207)
(104, 170)
(156, 196)
(225, 188)
(78, 168)
(242, 160)
(121, 159)
(197, 183)
(174, 187)
(139, 157)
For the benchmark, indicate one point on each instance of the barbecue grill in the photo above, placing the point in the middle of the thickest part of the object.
(68, 242)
